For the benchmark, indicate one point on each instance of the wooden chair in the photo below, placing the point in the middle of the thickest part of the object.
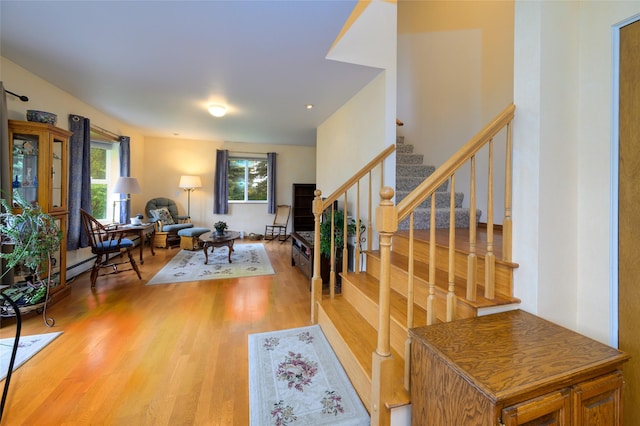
(279, 228)
(107, 243)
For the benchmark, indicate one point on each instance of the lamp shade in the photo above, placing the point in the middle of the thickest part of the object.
(126, 185)
(190, 182)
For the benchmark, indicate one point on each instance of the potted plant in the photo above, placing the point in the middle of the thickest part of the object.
(220, 227)
(29, 237)
(338, 238)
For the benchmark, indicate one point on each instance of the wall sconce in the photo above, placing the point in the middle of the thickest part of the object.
(189, 183)
(124, 185)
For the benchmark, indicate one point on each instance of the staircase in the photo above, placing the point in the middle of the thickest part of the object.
(423, 272)
(410, 172)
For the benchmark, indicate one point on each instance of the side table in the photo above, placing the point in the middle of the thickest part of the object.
(146, 231)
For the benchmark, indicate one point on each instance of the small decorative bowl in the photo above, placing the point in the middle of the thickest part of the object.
(41, 117)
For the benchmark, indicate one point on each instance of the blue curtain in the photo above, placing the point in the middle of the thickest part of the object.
(271, 176)
(125, 170)
(220, 183)
(79, 179)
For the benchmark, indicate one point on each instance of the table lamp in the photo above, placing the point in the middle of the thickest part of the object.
(124, 185)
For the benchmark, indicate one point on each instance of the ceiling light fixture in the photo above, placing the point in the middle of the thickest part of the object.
(309, 106)
(217, 110)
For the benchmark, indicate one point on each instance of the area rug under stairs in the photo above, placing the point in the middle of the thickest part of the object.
(295, 378)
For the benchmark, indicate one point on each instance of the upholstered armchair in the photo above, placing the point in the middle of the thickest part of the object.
(164, 213)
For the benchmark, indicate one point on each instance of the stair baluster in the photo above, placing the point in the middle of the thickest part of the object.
(490, 258)
(431, 300)
(316, 281)
(472, 260)
(451, 295)
(410, 321)
(507, 225)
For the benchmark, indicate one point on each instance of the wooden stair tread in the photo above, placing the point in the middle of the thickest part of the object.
(361, 338)
(421, 271)
(369, 286)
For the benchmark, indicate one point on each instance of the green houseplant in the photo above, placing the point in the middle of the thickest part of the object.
(29, 237)
(220, 227)
(338, 237)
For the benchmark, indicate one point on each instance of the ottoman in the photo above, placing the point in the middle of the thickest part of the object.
(189, 237)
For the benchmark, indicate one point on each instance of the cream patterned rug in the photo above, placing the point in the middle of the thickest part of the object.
(295, 378)
(28, 346)
(248, 260)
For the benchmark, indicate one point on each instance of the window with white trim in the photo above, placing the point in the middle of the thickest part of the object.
(248, 180)
(105, 165)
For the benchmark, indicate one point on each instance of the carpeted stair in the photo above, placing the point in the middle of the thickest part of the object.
(410, 172)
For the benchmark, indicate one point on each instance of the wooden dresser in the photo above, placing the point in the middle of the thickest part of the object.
(512, 368)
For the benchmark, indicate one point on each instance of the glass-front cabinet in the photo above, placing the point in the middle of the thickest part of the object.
(39, 170)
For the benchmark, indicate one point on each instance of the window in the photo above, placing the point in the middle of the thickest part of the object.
(247, 180)
(104, 173)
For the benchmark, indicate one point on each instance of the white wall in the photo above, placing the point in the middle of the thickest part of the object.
(168, 159)
(365, 125)
(455, 73)
(562, 92)
(46, 97)
(351, 137)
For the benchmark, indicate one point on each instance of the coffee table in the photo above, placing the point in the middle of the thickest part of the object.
(213, 240)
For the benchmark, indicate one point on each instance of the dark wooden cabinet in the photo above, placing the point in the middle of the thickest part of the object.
(513, 368)
(302, 252)
(302, 228)
(302, 207)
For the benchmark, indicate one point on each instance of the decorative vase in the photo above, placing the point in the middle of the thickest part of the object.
(27, 179)
(219, 232)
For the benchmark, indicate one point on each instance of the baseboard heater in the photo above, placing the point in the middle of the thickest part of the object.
(85, 264)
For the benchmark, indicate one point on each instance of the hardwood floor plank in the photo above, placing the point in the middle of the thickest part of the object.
(154, 355)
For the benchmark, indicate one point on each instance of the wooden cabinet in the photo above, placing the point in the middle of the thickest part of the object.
(512, 368)
(302, 206)
(302, 228)
(302, 252)
(38, 157)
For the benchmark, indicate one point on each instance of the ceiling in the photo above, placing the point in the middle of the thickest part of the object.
(157, 65)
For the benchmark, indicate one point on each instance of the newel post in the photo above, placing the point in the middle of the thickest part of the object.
(386, 225)
(316, 281)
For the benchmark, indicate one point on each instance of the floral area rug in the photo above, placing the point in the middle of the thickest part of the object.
(248, 260)
(28, 346)
(295, 378)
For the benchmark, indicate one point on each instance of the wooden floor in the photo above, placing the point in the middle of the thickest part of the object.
(173, 354)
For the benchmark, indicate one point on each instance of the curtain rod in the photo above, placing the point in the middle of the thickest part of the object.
(247, 152)
(22, 98)
(104, 132)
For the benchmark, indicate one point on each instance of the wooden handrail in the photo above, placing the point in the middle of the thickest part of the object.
(320, 205)
(442, 173)
(359, 175)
